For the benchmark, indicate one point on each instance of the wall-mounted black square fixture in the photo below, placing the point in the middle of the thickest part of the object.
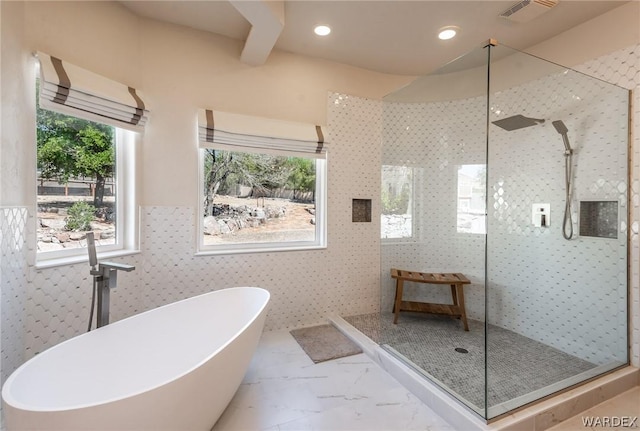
(361, 210)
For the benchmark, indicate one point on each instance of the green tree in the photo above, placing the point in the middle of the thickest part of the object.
(225, 169)
(303, 175)
(81, 214)
(268, 172)
(71, 147)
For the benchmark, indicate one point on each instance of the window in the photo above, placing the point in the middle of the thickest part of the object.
(85, 164)
(257, 196)
(471, 199)
(397, 202)
(83, 184)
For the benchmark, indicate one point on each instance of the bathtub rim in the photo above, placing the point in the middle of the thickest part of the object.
(9, 401)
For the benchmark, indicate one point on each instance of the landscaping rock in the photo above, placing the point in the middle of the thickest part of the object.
(232, 225)
(63, 237)
(259, 213)
(53, 223)
(77, 236)
(211, 226)
(224, 229)
(107, 234)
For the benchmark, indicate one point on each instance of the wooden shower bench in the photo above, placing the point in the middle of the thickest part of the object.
(455, 280)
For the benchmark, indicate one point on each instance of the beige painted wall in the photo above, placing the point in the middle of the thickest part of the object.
(180, 70)
(209, 74)
(16, 121)
(616, 29)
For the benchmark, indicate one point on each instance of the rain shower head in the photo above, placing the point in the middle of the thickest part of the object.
(562, 129)
(517, 122)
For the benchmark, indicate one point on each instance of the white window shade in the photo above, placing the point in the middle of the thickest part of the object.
(72, 90)
(223, 130)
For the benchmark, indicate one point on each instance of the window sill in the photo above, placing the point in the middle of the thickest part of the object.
(228, 251)
(71, 260)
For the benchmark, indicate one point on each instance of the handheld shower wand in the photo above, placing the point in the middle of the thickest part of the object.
(562, 129)
(567, 223)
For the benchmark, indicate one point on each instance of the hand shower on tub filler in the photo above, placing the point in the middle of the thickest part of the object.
(105, 278)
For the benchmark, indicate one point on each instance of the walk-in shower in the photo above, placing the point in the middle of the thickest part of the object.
(474, 184)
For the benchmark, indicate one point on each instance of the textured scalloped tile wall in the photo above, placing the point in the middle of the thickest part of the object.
(432, 139)
(13, 285)
(622, 68)
(542, 305)
(567, 294)
(305, 286)
(43, 307)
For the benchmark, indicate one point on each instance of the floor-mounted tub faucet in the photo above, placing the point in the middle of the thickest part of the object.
(105, 278)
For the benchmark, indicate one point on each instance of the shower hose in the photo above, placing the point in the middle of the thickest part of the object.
(567, 223)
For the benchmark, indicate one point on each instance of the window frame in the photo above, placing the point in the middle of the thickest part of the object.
(459, 168)
(320, 241)
(413, 237)
(127, 220)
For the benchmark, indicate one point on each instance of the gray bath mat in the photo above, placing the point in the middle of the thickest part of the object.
(324, 342)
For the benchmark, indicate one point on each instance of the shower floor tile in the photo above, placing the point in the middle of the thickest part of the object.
(516, 365)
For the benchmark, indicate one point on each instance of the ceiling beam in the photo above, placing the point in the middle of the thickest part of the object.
(267, 21)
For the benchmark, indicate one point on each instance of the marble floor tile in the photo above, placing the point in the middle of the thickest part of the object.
(284, 390)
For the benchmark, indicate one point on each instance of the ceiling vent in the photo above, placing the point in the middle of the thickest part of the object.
(526, 10)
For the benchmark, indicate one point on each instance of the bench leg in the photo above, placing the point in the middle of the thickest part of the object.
(453, 294)
(396, 307)
(463, 314)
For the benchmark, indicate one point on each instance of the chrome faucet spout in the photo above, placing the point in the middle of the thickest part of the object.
(105, 278)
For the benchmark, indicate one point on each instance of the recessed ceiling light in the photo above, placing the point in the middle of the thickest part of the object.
(322, 30)
(447, 33)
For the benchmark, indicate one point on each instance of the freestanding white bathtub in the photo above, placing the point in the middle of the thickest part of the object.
(172, 368)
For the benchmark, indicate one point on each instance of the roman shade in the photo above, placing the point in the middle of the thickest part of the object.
(237, 132)
(72, 90)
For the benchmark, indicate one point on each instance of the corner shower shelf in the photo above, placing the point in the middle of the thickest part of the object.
(457, 282)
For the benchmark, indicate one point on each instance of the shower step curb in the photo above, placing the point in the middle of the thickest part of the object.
(539, 416)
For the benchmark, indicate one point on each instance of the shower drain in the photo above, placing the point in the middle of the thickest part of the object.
(461, 350)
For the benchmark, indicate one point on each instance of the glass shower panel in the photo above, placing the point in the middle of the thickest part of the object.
(504, 182)
(557, 183)
(433, 225)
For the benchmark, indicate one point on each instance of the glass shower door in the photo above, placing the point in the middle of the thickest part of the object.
(557, 229)
(511, 172)
(433, 226)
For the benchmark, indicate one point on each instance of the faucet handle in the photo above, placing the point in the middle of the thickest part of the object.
(118, 266)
